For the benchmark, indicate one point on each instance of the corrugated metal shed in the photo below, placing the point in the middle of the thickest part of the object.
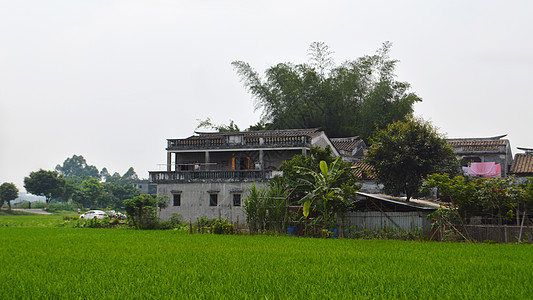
(397, 221)
(380, 212)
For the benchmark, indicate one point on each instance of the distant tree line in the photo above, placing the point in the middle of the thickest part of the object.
(83, 184)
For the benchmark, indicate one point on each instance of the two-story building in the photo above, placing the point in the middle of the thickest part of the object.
(209, 174)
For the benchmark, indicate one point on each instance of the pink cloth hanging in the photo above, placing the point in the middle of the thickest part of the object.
(498, 171)
(482, 169)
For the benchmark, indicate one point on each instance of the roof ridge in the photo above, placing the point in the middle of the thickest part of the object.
(498, 137)
(260, 132)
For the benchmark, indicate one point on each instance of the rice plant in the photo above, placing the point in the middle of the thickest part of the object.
(66, 263)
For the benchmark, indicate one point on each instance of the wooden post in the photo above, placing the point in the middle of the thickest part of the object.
(505, 233)
(521, 226)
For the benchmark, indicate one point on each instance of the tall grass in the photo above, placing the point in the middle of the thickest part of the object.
(266, 208)
(105, 263)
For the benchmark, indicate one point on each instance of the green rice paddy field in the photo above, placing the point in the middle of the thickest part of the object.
(65, 263)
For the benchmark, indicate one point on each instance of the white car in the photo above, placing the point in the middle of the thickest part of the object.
(93, 214)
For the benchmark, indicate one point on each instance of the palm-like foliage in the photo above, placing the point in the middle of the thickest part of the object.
(327, 193)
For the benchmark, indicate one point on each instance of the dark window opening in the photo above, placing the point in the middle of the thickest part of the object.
(176, 200)
(236, 199)
(213, 199)
(469, 159)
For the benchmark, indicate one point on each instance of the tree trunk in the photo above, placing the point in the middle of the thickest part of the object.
(407, 193)
(47, 203)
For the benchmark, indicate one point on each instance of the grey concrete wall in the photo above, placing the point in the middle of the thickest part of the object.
(191, 157)
(273, 159)
(195, 200)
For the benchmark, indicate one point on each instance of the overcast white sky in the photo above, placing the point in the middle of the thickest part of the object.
(112, 80)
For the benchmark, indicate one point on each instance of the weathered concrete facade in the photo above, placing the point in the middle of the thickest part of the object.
(196, 200)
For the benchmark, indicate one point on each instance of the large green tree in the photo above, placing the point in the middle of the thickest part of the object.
(8, 192)
(45, 183)
(404, 153)
(91, 193)
(353, 98)
(76, 166)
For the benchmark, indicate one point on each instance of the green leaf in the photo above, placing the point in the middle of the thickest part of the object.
(324, 167)
(307, 206)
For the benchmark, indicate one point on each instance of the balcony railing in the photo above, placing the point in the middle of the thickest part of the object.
(240, 141)
(209, 176)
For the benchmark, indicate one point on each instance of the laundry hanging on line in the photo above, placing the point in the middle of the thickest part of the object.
(485, 169)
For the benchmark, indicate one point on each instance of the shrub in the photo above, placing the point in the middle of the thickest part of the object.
(222, 227)
(93, 223)
(174, 222)
(142, 211)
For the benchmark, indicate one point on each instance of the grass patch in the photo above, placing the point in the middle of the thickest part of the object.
(6, 212)
(107, 263)
(24, 219)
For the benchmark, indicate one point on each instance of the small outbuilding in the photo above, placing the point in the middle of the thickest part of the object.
(375, 212)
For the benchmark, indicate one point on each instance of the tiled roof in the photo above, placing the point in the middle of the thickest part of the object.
(312, 132)
(347, 144)
(478, 145)
(363, 170)
(522, 164)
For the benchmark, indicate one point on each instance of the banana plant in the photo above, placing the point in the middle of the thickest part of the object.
(325, 194)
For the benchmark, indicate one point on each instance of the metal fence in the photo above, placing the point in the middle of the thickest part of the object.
(499, 233)
(398, 221)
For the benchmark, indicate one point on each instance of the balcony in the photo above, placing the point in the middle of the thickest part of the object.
(239, 141)
(210, 176)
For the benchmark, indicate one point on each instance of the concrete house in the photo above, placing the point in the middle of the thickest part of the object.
(350, 149)
(209, 174)
(483, 150)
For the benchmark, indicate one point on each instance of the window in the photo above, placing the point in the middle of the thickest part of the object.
(236, 199)
(213, 199)
(176, 200)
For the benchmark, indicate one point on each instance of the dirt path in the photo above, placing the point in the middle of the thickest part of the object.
(33, 211)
